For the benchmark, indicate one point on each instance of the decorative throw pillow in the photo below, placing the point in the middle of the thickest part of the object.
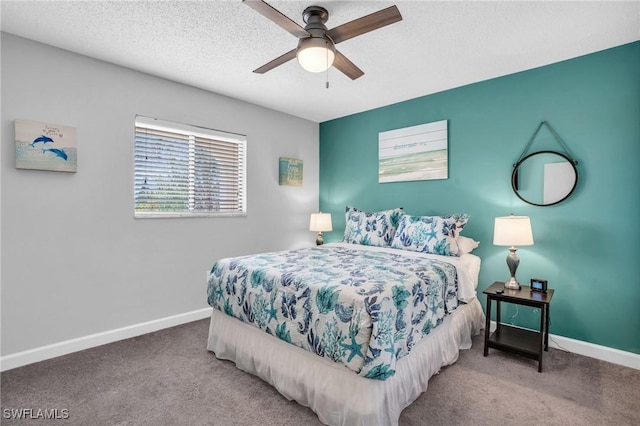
(466, 245)
(430, 234)
(371, 229)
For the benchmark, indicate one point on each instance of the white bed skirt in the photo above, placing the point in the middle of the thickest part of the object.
(337, 395)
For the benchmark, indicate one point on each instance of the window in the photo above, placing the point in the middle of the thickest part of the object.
(183, 170)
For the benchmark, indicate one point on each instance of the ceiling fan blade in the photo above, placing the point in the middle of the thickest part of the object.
(363, 25)
(343, 64)
(276, 62)
(278, 18)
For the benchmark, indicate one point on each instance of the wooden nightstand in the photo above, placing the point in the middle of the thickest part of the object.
(528, 343)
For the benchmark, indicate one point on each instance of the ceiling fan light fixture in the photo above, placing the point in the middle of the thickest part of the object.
(315, 54)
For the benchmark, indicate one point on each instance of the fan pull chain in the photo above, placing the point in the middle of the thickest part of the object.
(327, 50)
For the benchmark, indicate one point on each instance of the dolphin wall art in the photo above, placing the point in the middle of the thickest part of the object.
(45, 146)
(44, 139)
(59, 152)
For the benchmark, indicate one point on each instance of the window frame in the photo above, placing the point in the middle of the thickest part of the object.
(194, 132)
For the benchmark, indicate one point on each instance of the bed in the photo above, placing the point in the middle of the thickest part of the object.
(352, 331)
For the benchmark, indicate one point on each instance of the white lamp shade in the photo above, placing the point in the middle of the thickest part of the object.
(320, 222)
(512, 231)
(315, 54)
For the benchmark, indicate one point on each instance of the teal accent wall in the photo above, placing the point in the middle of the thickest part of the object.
(587, 247)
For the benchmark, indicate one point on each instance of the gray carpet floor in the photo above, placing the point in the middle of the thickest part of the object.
(169, 378)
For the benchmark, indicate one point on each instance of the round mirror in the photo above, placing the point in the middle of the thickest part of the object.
(544, 178)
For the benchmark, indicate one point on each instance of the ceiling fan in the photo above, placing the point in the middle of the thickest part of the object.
(316, 49)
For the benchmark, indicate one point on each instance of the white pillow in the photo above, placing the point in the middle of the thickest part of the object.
(466, 245)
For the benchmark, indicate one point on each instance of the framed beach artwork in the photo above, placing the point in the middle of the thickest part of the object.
(290, 171)
(44, 146)
(414, 153)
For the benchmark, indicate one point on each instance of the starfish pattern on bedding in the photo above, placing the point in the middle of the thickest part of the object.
(272, 312)
(357, 232)
(434, 308)
(432, 234)
(218, 292)
(354, 348)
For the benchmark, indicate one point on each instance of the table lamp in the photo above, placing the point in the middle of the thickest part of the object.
(512, 231)
(320, 222)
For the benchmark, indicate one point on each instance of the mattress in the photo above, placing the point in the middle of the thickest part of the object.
(361, 307)
(337, 395)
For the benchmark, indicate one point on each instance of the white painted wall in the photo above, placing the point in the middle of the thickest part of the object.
(75, 262)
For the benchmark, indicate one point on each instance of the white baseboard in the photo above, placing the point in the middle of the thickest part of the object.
(8, 362)
(30, 356)
(603, 353)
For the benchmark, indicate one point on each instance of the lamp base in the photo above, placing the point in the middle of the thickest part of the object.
(512, 284)
(512, 262)
(319, 240)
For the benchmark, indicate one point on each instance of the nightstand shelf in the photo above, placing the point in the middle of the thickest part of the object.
(528, 343)
(516, 340)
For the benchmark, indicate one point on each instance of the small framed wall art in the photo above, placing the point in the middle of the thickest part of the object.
(290, 171)
(44, 146)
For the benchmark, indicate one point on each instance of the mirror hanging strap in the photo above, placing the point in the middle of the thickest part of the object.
(555, 135)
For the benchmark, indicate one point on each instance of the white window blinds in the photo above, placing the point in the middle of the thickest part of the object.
(182, 170)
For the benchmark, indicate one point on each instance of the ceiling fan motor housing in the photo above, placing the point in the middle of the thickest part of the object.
(315, 17)
(315, 14)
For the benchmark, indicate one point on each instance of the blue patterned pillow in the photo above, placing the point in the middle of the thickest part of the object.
(371, 229)
(430, 234)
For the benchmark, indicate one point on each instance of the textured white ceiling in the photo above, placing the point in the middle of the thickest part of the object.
(215, 45)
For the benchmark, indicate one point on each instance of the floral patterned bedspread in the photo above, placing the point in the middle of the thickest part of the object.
(363, 309)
